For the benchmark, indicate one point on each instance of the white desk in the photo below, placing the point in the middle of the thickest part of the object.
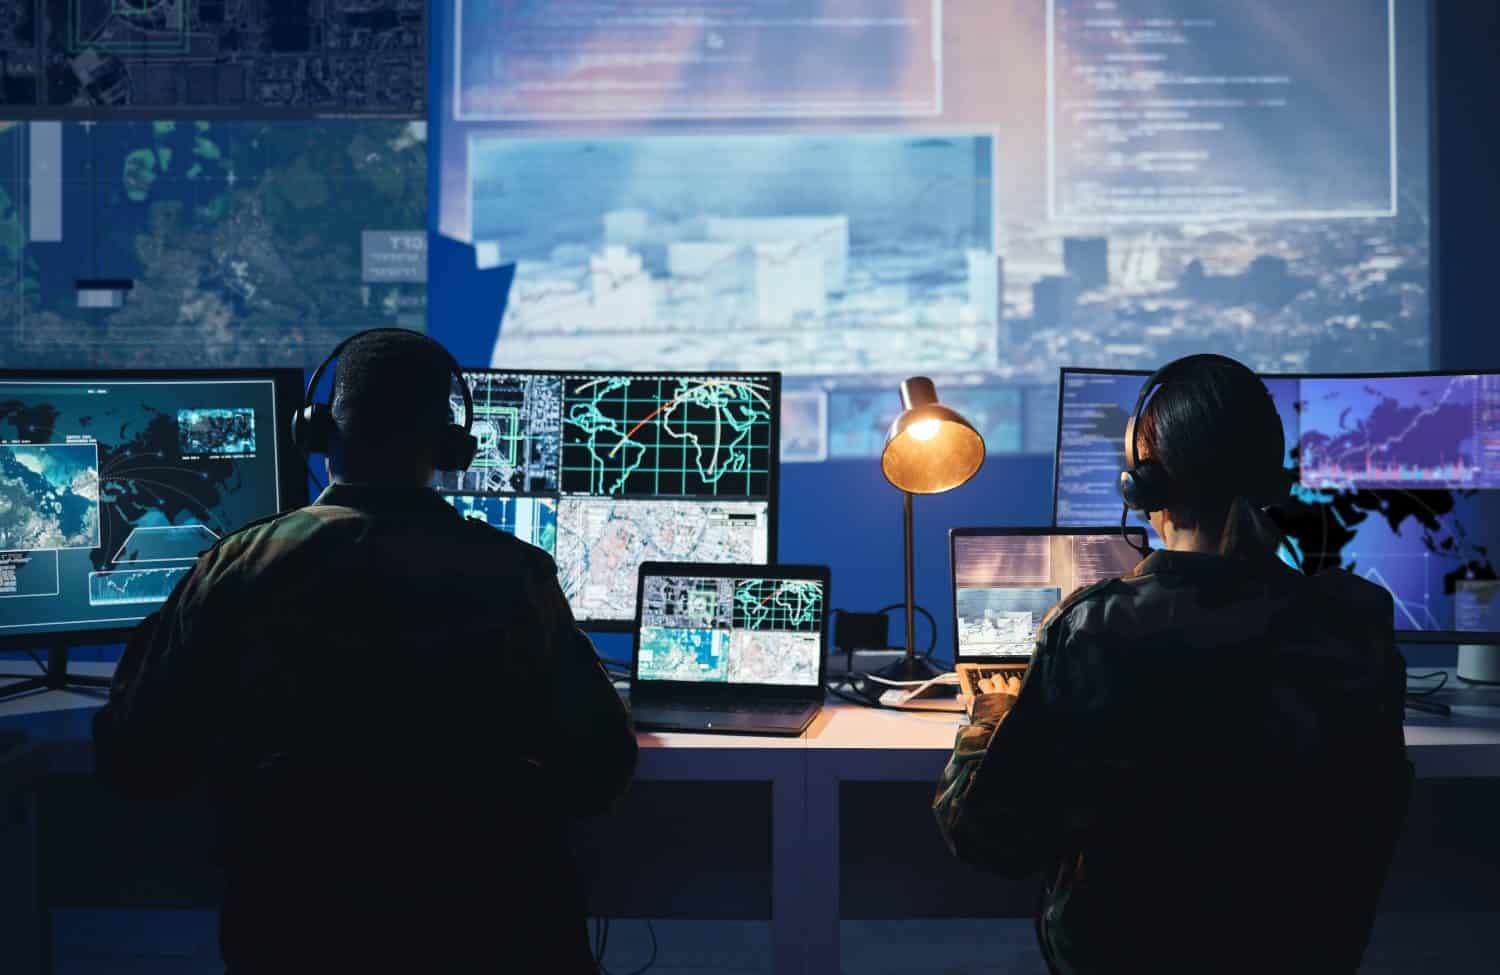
(844, 743)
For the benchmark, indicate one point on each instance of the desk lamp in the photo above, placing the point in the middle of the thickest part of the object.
(930, 449)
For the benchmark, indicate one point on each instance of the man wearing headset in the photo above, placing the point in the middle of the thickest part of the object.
(391, 704)
(1205, 761)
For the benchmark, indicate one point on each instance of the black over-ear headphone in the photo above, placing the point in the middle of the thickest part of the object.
(313, 427)
(1145, 485)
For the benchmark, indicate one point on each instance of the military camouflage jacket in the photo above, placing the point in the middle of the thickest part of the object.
(379, 693)
(1205, 764)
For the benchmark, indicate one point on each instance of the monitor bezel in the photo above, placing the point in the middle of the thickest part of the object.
(773, 480)
(715, 690)
(954, 534)
(291, 489)
(1414, 637)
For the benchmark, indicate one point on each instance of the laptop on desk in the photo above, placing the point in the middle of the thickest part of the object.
(729, 648)
(1006, 579)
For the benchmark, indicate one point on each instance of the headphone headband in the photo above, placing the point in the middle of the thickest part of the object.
(1144, 485)
(313, 425)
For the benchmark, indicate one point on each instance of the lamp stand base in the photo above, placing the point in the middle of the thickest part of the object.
(909, 669)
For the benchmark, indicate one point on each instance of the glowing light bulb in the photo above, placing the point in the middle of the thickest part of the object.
(924, 429)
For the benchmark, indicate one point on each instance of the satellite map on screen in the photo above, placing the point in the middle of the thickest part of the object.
(49, 496)
(130, 244)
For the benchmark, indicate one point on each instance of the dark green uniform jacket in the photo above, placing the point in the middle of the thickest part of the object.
(396, 712)
(1205, 764)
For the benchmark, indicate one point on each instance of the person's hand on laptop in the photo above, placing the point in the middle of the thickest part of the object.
(1000, 684)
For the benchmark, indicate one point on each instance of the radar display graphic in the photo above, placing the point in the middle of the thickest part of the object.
(662, 437)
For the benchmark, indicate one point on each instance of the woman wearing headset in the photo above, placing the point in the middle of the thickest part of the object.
(1205, 761)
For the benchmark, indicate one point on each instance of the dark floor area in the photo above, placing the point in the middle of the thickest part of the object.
(120, 942)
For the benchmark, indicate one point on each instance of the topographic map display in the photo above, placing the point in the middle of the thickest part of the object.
(101, 511)
(602, 542)
(266, 58)
(662, 437)
(182, 243)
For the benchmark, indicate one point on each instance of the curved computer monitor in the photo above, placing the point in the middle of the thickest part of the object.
(1398, 480)
(607, 470)
(112, 483)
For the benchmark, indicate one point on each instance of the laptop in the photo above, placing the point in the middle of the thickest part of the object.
(739, 649)
(1006, 579)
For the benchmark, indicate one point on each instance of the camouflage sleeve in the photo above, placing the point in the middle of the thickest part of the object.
(159, 731)
(993, 805)
(588, 745)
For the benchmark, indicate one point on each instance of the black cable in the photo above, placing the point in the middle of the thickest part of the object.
(1442, 680)
(931, 627)
(37, 660)
(651, 930)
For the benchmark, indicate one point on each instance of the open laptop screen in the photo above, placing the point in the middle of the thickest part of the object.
(1005, 581)
(742, 630)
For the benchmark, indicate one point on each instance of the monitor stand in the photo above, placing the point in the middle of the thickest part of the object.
(55, 677)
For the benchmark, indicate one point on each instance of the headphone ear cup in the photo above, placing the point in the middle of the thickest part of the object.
(313, 428)
(456, 449)
(1144, 487)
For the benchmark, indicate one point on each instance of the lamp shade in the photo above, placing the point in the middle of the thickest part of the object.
(931, 448)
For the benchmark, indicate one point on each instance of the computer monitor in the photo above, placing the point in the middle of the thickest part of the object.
(1397, 477)
(112, 483)
(1006, 579)
(607, 470)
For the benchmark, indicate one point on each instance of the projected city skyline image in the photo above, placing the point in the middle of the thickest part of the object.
(1185, 183)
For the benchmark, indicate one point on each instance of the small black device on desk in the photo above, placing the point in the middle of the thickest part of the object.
(1006, 579)
(729, 648)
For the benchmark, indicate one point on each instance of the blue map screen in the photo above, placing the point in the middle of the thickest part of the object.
(1396, 479)
(110, 488)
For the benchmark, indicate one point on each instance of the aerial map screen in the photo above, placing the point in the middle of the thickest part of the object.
(979, 191)
(261, 58)
(701, 629)
(606, 471)
(176, 244)
(111, 486)
(1397, 481)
